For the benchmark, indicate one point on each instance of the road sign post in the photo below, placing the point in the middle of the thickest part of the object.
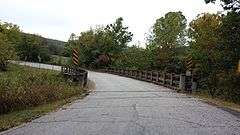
(190, 74)
(238, 70)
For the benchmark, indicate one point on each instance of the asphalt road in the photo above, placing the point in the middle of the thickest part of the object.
(124, 106)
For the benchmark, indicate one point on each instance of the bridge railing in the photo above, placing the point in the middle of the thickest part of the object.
(75, 74)
(170, 80)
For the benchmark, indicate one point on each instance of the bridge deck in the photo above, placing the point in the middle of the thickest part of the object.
(124, 106)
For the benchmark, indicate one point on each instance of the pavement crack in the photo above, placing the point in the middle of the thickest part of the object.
(173, 118)
(136, 118)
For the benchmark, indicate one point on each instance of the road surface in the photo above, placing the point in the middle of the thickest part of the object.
(124, 106)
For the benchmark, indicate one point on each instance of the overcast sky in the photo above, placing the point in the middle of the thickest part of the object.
(57, 19)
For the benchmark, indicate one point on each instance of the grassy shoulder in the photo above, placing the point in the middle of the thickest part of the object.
(27, 93)
(217, 101)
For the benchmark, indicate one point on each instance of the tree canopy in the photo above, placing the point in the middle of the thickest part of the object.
(108, 41)
(233, 5)
(204, 40)
(168, 36)
(9, 38)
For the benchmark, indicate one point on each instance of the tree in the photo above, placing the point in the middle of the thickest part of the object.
(134, 57)
(115, 40)
(233, 5)
(32, 48)
(69, 45)
(229, 46)
(9, 37)
(118, 34)
(11, 31)
(224, 82)
(7, 52)
(168, 33)
(204, 36)
(101, 46)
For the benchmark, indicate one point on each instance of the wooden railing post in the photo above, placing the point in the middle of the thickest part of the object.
(194, 84)
(151, 76)
(134, 73)
(145, 75)
(164, 78)
(182, 82)
(139, 75)
(171, 79)
(157, 76)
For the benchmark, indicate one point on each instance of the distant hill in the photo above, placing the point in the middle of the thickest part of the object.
(55, 47)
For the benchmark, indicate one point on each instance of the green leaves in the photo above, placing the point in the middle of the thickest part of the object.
(230, 40)
(9, 37)
(32, 47)
(167, 37)
(232, 5)
(106, 41)
(169, 31)
(204, 41)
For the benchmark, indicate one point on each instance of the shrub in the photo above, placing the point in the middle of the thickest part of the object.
(229, 86)
(7, 52)
(224, 85)
(26, 87)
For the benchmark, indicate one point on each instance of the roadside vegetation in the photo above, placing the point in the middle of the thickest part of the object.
(59, 60)
(211, 40)
(16, 45)
(26, 93)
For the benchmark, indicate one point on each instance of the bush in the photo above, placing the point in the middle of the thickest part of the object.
(229, 86)
(26, 87)
(224, 85)
(7, 52)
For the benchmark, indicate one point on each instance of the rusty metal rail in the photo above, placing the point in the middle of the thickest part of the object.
(75, 74)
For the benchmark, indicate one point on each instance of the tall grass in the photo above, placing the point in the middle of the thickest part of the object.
(22, 87)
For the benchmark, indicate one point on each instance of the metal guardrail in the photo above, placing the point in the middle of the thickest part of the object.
(170, 80)
(75, 74)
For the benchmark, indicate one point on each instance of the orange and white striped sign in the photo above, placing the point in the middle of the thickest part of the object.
(75, 57)
(189, 62)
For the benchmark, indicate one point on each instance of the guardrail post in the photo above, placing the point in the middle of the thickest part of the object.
(157, 77)
(135, 74)
(139, 75)
(182, 82)
(151, 76)
(194, 84)
(171, 79)
(145, 75)
(85, 78)
(164, 78)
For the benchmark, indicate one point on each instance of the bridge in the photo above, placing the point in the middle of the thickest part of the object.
(126, 106)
